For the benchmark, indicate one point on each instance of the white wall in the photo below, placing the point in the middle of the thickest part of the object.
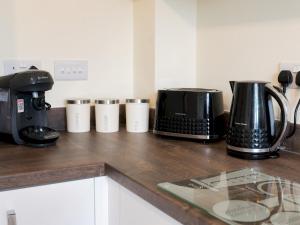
(165, 45)
(246, 40)
(99, 31)
(6, 28)
(237, 40)
(144, 49)
(176, 43)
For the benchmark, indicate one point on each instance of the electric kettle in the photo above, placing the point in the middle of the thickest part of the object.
(253, 132)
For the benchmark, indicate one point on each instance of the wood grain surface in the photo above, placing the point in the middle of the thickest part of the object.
(137, 161)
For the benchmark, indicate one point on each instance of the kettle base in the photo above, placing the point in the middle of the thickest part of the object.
(253, 156)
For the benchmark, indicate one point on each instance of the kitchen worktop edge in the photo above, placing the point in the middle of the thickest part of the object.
(136, 161)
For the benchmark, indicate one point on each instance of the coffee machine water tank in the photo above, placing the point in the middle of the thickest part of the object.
(23, 109)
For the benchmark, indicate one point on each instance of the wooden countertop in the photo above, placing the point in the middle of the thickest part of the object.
(137, 161)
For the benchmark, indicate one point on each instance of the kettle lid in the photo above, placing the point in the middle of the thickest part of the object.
(252, 82)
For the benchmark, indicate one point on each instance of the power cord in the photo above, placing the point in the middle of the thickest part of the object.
(295, 121)
(296, 109)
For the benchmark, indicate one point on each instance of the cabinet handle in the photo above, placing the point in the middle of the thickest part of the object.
(11, 217)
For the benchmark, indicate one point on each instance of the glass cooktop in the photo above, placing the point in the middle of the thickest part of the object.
(245, 196)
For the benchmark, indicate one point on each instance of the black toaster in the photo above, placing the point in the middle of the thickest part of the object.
(190, 113)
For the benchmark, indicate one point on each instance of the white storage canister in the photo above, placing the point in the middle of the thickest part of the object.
(137, 115)
(78, 115)
(107, 115)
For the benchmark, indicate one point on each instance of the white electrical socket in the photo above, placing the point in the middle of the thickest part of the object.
(71, 70)
(15, 66)
(294, 68)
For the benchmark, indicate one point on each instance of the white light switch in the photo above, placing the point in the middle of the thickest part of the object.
(15, 66)
(71, 70)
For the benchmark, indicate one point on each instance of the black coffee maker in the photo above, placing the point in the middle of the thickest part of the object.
(253, 132)
(23, 109)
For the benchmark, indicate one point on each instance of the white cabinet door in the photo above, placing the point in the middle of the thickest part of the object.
(101, 200)
(69, 203)
(126, 208)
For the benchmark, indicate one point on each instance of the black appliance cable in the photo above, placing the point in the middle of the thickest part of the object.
(295, 121)
(297, 81)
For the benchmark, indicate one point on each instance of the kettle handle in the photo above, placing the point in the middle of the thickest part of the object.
(284, 107)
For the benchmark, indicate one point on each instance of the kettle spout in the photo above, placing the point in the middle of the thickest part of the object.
(232, 83)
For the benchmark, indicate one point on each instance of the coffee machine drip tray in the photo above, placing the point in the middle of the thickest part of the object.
(39, 136)
(246, 196)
